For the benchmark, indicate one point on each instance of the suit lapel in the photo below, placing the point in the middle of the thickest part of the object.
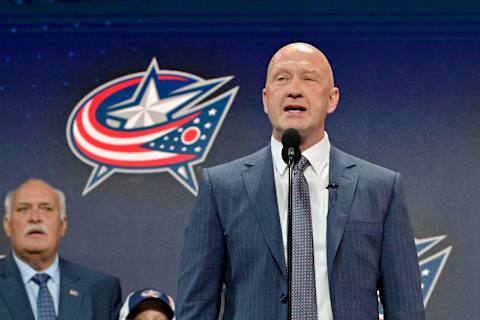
(340, 200)
(71, 293)
(260, 184)
(259, 181)
(12, 290)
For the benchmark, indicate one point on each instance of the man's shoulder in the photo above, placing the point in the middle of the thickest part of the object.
(8, 267)
(3, 261)
(251, 159)
(101, 292)
(73, 269)
(362, 166)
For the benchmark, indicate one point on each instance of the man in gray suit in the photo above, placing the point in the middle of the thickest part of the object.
(360, 235)
(35, 283)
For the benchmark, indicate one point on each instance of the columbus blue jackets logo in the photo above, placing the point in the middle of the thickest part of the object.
(153, 121)
(430, 267)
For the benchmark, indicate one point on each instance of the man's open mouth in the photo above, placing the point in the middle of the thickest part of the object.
(35, 233)
(294, 108)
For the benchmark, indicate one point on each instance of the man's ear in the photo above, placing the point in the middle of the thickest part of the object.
(333, 100)
(6, 226)
(64, 226)
(264, 97)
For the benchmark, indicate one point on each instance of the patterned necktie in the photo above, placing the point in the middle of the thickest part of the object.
(304, 300)
(45, 307)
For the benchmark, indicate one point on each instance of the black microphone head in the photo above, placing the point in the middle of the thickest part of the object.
(291, 139)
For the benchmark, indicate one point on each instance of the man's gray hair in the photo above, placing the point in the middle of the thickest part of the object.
(62, 206)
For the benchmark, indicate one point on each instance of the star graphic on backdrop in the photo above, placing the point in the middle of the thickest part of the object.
(151, 110)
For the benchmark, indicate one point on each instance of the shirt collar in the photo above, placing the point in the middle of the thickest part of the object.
(27, 272)
(318, 155)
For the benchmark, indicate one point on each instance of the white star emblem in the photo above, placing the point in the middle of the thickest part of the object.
(212, 112)
(425, 272)
(207, 125)
(151, 110)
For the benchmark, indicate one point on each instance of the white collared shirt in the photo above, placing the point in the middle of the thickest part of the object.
(32, 288)
(317, 178)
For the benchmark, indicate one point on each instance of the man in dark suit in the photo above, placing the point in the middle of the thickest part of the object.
(35, 283)
(359, 232)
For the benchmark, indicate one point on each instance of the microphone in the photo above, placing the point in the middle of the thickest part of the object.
(291, 155)
(332, 194)
(291, 146)
(333, 186)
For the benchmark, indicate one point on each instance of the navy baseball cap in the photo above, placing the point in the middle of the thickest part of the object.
(147, 299)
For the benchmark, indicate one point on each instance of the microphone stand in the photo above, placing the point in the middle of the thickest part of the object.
(291, 164)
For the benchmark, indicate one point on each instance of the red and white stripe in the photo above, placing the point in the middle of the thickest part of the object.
(122, 148)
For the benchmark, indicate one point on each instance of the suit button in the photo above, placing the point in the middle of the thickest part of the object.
(284, 298)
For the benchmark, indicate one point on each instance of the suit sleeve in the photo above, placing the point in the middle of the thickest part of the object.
(116, 299)
(106, 296)
(400, 290)
(202, 267)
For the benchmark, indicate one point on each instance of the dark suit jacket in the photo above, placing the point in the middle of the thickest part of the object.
(234, 237)
(98, 295)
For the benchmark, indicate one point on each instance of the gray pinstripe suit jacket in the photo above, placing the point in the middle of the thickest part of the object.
(234, 237)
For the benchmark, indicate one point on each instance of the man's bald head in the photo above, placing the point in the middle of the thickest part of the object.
(302, 48)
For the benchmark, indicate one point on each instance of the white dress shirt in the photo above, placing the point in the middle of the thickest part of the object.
(317, 178)
(32, 288)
